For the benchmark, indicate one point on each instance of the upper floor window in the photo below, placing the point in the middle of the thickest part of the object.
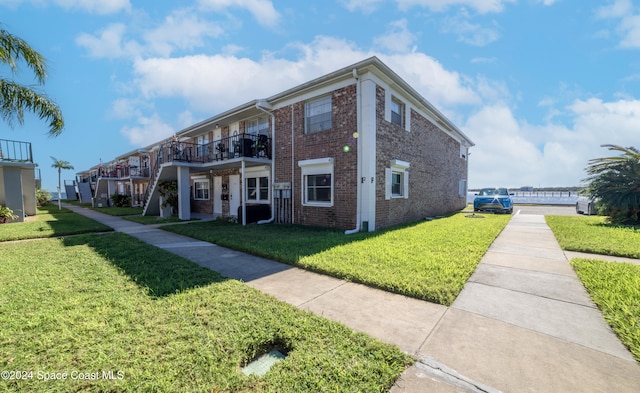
(317, 115)
(258, 125)
(397, 112)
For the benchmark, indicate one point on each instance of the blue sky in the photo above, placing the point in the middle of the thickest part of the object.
(538, 85)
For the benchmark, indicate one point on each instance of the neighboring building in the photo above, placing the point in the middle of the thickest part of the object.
(357, 149)
(17, 178)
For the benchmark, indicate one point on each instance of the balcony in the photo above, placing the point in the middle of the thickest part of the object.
(237, 146)
(123, 172)
(15, 151)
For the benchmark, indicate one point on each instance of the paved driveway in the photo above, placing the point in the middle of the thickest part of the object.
(546, 210)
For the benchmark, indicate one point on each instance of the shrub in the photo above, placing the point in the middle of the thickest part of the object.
(6, 215)
(120, 200)
(42, 197)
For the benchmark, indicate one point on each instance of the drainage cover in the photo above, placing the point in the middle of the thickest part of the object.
(262, 364)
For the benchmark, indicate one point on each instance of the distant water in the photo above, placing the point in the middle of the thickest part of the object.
(540, 198)
(54, 195)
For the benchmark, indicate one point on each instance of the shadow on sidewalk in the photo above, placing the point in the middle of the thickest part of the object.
(161, 273)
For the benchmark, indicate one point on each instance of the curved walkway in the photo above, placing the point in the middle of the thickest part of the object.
(523, 322)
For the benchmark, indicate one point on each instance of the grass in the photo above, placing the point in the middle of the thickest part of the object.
(149, 220)
(594, 235)
(112, 211)
(159, 323)
(49, 222)
(119, 211)
(427, 260)
(615, 288)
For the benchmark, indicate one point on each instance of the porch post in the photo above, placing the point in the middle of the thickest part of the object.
(242, 192)
(184, 194)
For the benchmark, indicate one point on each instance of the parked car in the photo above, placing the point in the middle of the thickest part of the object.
(586, 205)
(493, 199)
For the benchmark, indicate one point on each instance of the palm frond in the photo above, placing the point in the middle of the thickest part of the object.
(14, 49)
(15, 99)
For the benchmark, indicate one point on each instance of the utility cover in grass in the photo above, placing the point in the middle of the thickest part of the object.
(261, 365)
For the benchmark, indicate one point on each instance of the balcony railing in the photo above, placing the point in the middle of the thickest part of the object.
(124, 172)
(236, 146)
(15, 151)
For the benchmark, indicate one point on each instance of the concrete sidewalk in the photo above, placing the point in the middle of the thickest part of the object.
(523, 322)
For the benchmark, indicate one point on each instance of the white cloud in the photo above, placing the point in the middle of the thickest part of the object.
(102, 7)
(629, 26)
(263, 11)
(365, 6)
(215, 83)
(148, 130)
(180, 30)
(467, 32)
(481, 6)
(109, 43)
(397, 38)
(514, 153)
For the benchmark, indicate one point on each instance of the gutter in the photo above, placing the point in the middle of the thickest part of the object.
(359, 157)
(263, 106)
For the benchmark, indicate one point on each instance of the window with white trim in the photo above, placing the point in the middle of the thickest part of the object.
(201, 189)
(258, 189)
(462, 187)
(202, 145)
(317, 115)
(317, 182)
(258, 125)
(397, 180)
(397, 112)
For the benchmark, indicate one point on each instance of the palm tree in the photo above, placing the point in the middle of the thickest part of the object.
(15, 98)
(60, 164)
(616, 182)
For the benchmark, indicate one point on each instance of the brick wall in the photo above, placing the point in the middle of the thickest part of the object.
(435, 171)
(322, 144)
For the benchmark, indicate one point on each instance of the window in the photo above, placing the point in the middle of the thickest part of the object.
(397, 112)
(397, 180)
(462, 187)
(317, 182)
(318, 115)
(258, 189)
(258, 125)
(202, 145)
(318, 188)
(201, 189)
(396, 183)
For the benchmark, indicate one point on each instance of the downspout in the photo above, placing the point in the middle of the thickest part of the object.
(293, 159)
(264, 109)
(358, 158)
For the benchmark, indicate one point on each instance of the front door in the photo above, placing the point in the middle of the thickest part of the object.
(234, 194)
(217, 195)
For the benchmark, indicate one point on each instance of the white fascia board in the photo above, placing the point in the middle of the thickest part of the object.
(399, 164)
(316, 161)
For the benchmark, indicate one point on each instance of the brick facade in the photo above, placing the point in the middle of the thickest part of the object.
(330, 143)
(435, 171)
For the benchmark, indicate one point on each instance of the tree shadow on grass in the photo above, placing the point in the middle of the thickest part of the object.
(158, 272)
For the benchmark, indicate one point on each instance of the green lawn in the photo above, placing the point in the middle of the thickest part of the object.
(429, 260)
(593, 235)
(49, 222)
(615, 288)
(99, 303)
(148, 220)
(113, 211)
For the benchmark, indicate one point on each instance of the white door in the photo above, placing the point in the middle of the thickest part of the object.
(217, 195)
(234, 194)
